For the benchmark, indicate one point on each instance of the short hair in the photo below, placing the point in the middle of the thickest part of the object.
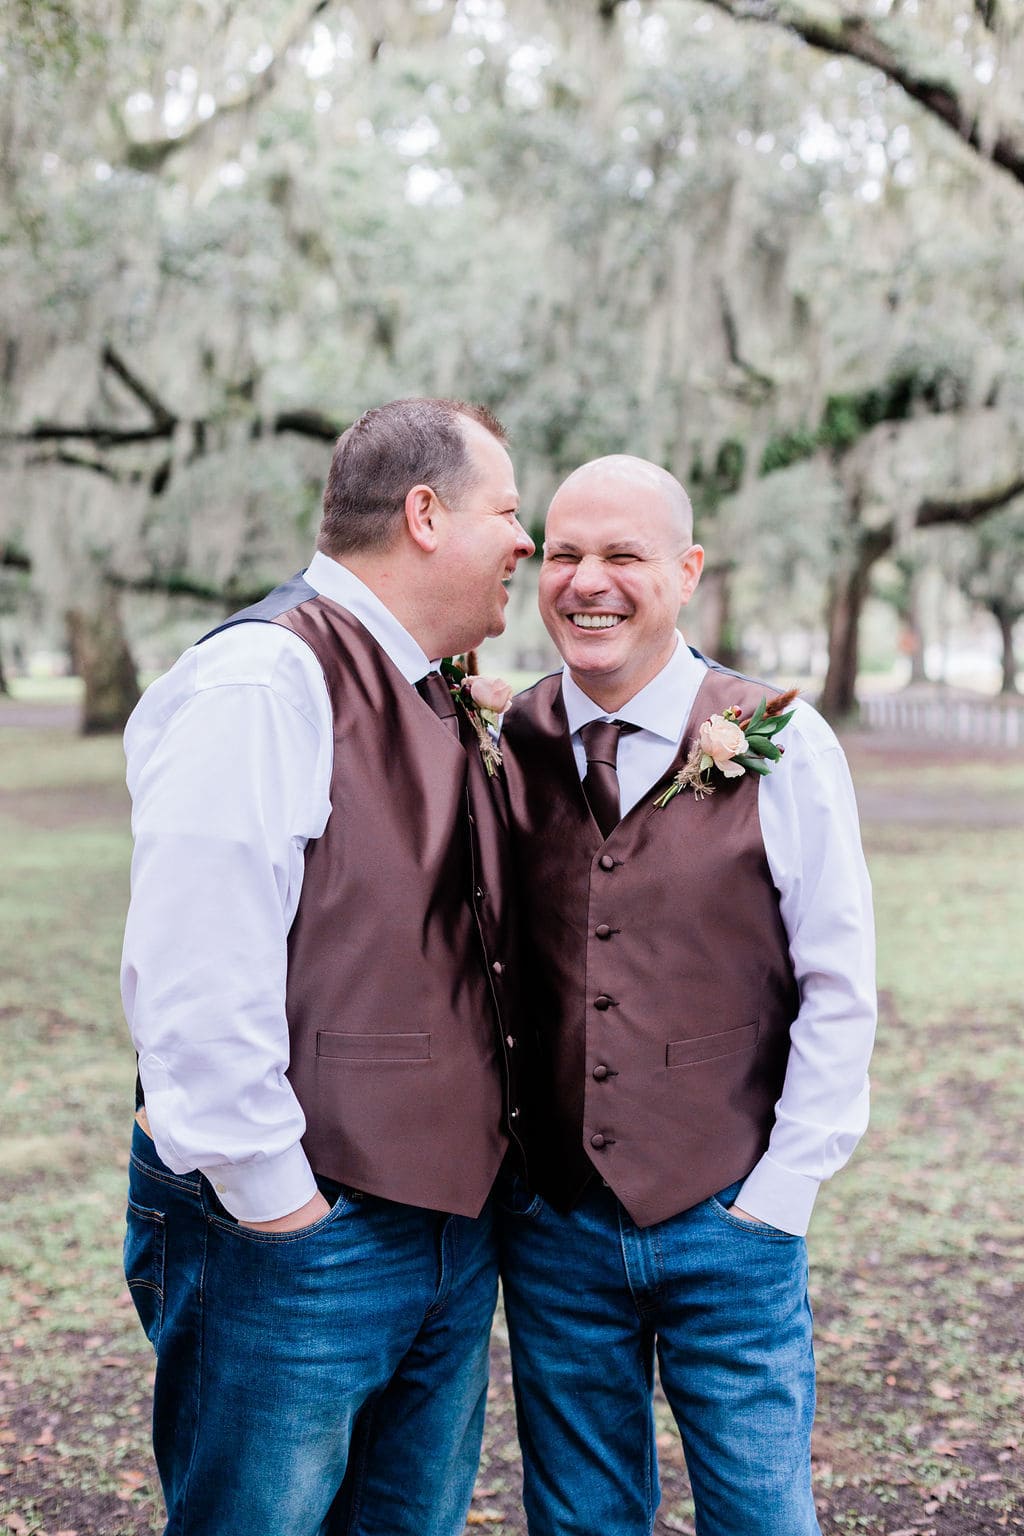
(379, 459)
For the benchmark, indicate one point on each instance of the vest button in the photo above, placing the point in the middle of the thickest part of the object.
(602, 1002)
(498, 968)
(510, 1041)
(597, 1141)
(600, 1073)
(606, 861)
(603, 931)
(513, 1114)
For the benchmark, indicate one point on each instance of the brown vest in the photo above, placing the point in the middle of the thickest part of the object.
(398, 958)
(660, 980)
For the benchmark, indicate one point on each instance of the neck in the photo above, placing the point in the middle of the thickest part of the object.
(389, 580)
(612, 693)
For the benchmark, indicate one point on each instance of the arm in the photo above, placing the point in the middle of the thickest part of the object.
(812, 840)
(229, 768)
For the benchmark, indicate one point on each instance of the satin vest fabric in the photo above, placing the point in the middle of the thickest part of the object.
(398, 960)
(659, 978)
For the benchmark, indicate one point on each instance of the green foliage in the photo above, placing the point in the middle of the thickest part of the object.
(55, 34)
(617, 236)
(708, 490)
(788, 448)
(846, 418)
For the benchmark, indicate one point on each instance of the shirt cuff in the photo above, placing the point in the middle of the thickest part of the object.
(266, 1188)
(778, 1196)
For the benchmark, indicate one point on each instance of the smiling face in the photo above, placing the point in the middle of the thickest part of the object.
(482, 543)
(619, 563)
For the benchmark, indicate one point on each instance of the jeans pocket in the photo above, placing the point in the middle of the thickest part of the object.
(144, 1266)
(756, 1229)
(345, 1201)
(514, 1196)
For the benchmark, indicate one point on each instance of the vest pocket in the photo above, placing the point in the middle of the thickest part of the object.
(144, 1266)
(346, 1047)
(687, 1053)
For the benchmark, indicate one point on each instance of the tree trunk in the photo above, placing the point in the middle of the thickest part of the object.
(847, 590)
(5, 686)
(100, 656)
(718, 632)
(1007, 623)
(912, 636)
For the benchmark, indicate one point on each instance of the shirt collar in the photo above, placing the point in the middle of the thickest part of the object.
(662, 707)
(332, 579)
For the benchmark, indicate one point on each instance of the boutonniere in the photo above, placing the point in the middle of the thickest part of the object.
(730, 746)
(484, 700)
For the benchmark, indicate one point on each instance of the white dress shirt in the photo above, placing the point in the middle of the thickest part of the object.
(230, 756)
(809, 823)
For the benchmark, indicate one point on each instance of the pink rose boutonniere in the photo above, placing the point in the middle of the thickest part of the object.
(731, 746)
(483, 700)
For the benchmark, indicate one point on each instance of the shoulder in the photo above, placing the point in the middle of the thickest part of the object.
(810, 733)
(258, 653)
(807, 729)
(533, 705)
(264, 662)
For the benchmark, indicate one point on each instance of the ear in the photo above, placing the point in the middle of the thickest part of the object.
(422, 515)
(690, 566)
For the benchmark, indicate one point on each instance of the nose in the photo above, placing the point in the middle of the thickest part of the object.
(590, 577)
(524, 544)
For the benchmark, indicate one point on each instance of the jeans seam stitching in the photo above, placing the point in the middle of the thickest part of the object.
(200, 1350)
(358, 1472)
(176, 1181)
(274, 1239)
(763, 1231)
(446, 1282)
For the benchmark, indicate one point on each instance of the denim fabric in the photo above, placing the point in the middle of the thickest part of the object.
(329, 1382)
(590, 1297)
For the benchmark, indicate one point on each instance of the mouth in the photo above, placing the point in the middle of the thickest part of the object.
(595, 620)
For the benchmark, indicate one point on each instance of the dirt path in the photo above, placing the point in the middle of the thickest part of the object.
(74, 1445)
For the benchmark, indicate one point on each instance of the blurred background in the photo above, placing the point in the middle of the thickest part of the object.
(775, 245)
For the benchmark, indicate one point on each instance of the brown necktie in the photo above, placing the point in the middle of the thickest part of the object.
(601, 785)
(435, 691)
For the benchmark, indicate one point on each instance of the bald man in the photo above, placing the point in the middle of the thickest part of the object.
(700, 933)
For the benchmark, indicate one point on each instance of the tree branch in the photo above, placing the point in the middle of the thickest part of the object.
(176, 584)
(857, 37)
(113, 360)
(150, 154)
(103, 437)
(966, 509)
(304, 422)
(309, 423)
(76, 461)
(759, 383)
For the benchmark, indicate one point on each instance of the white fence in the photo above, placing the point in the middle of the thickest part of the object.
(988, 722)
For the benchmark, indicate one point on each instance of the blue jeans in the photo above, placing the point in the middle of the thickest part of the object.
(327, 1382)
(590, 1296)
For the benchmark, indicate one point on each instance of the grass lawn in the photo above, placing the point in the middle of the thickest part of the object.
(917, 1249)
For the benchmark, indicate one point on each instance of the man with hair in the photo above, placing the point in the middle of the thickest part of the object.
(698, 917)
(315, 972)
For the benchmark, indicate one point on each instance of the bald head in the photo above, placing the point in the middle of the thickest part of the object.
(634, 478)
(619, 563)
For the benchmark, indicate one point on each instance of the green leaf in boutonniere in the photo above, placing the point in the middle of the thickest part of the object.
(731, 746)
(483, 700)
